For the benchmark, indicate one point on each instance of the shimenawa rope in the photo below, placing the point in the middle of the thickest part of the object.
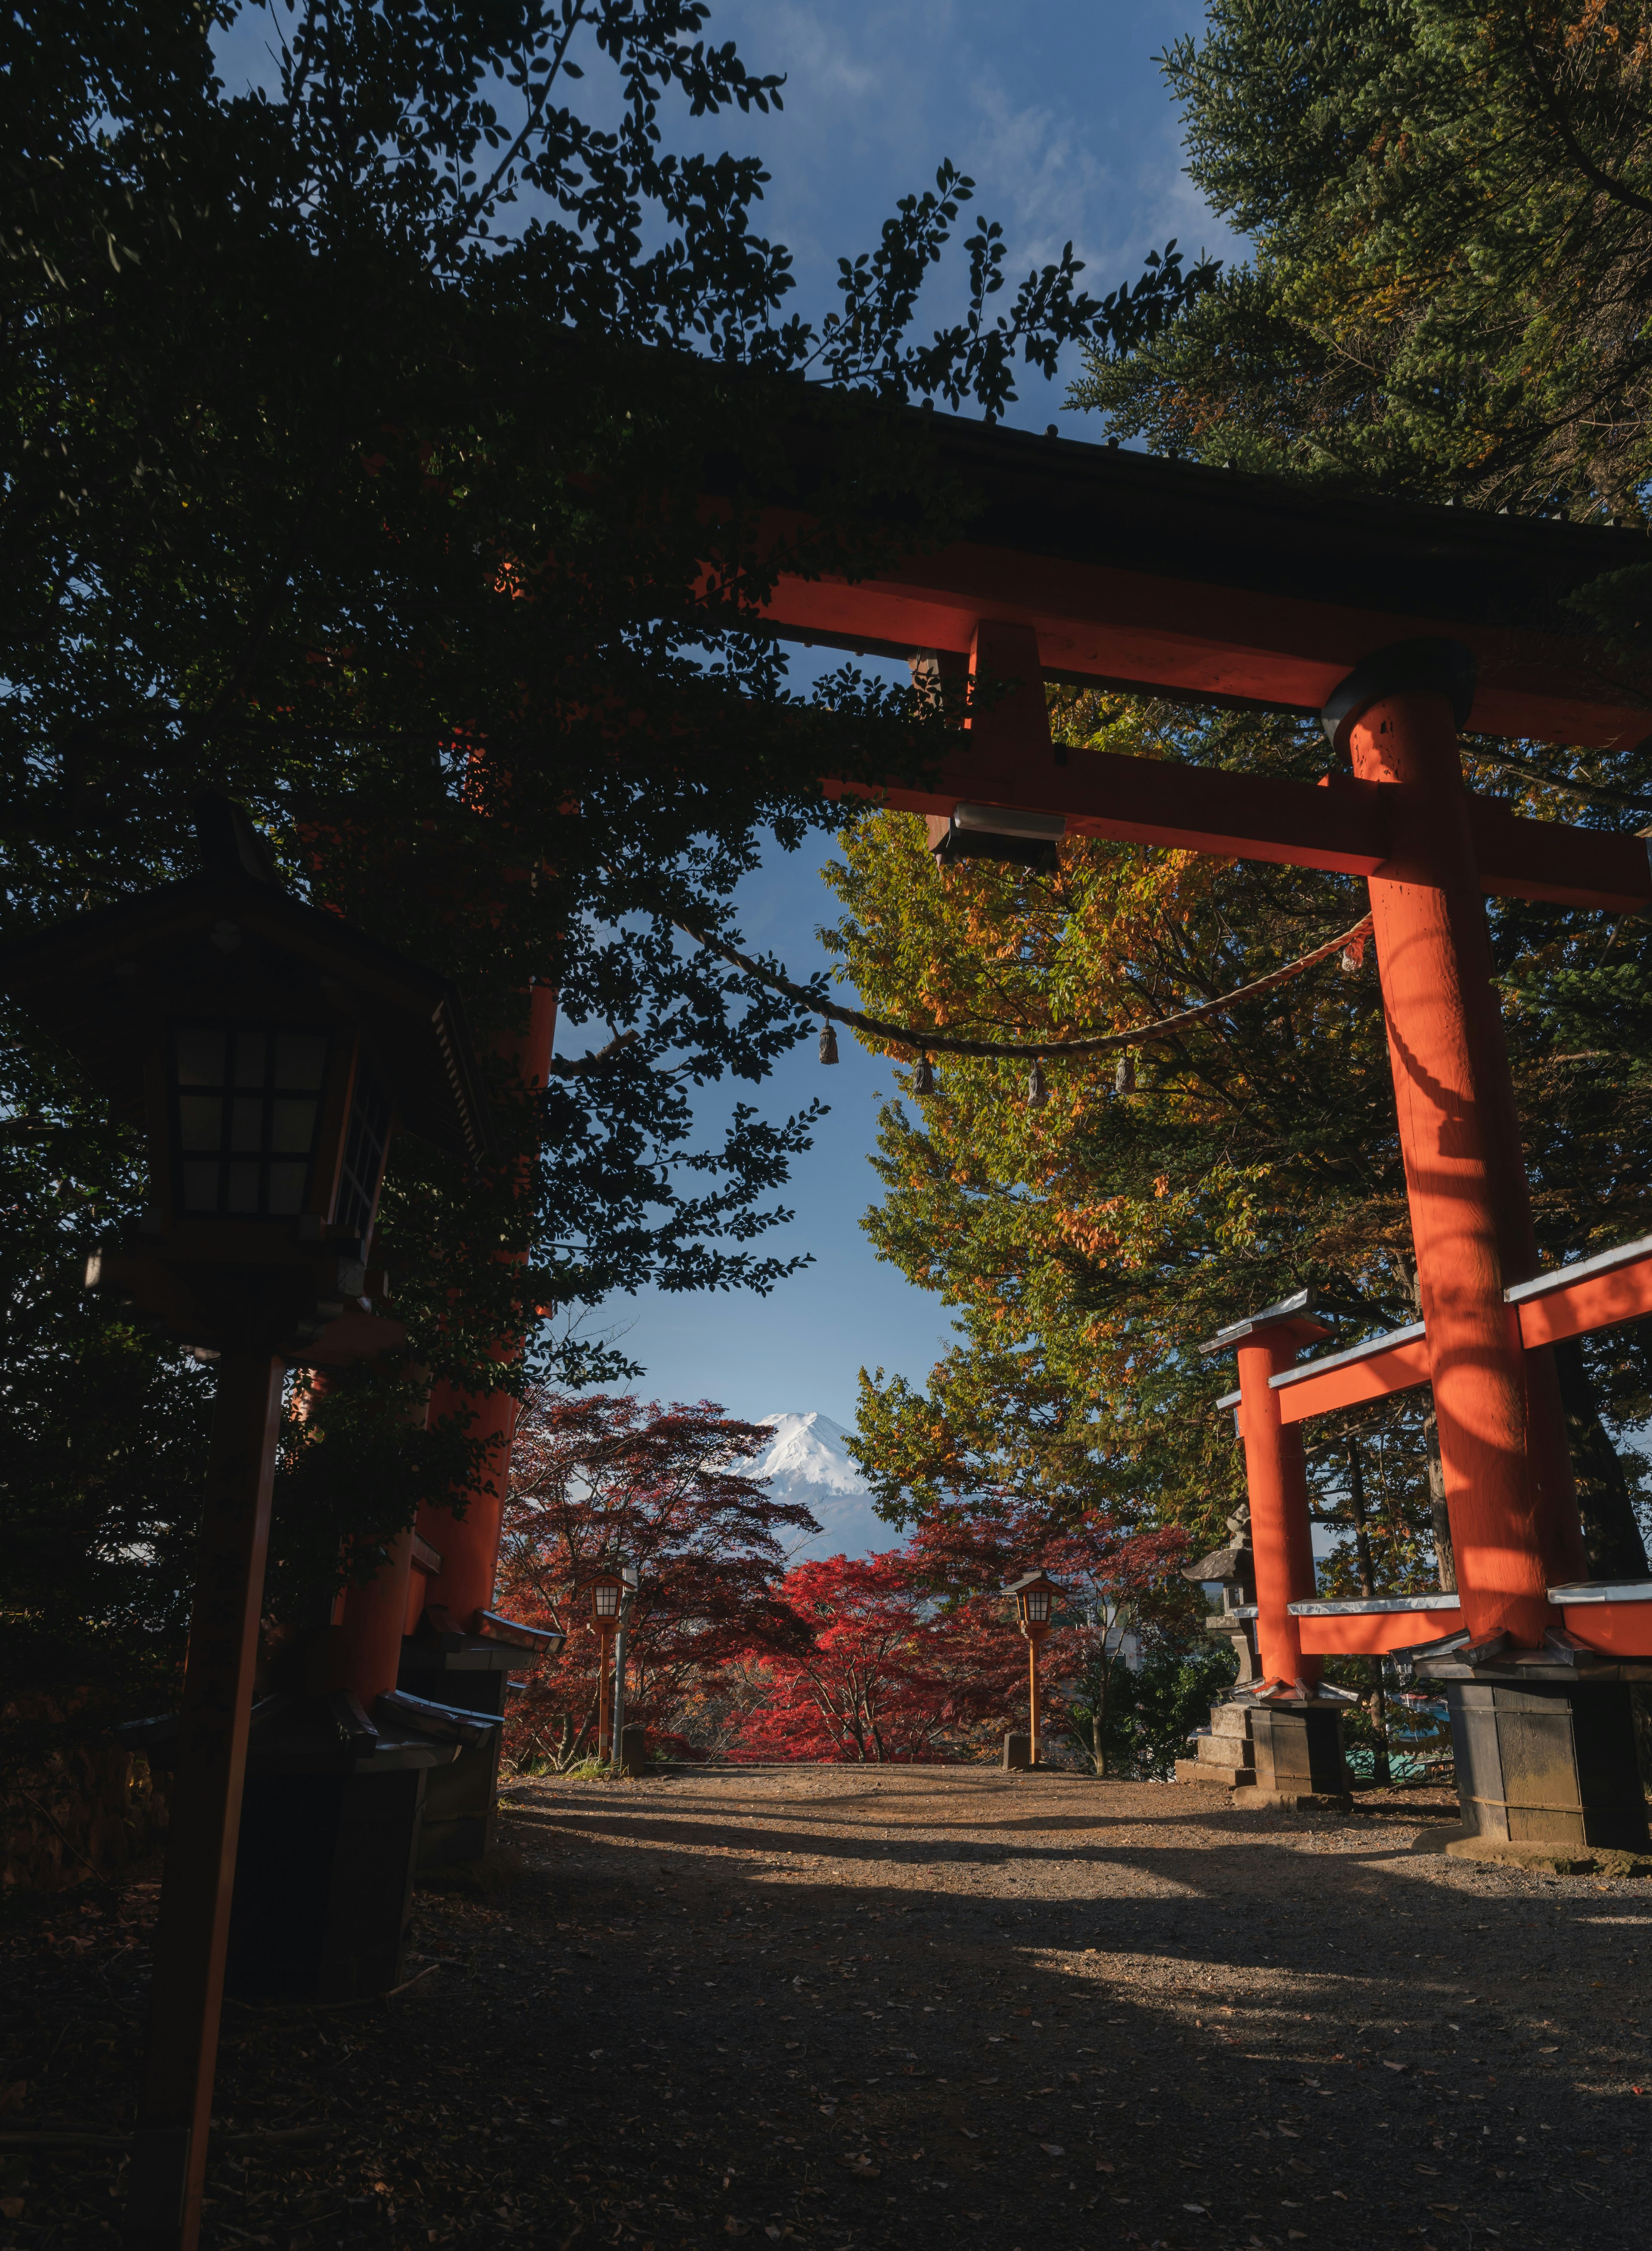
(926, 1041)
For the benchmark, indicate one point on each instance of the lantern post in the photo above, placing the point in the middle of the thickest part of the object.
(609, 1591)
(269, 1050)
(1035, 1596)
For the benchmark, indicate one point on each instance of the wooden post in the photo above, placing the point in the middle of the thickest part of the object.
(1509, 1489)
(605, 1643)
(1276, 1479)
(174, 2106)
(1032, 1690)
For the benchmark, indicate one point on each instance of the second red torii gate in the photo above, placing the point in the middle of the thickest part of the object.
(1400, 625)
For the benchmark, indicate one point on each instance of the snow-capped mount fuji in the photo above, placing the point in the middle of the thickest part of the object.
(809, 1460)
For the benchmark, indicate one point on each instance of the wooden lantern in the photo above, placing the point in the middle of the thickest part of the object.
(1036, 1595)
(609, 1592)
(267, 1049)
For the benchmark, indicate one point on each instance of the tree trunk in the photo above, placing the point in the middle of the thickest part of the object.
(1612, 1537)
(1445, 1560)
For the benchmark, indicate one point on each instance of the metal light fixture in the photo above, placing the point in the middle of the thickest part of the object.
(998, 832)
(269, 1050)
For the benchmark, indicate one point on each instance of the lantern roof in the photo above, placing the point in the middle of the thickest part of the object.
(1031, 1579)
(223, 942)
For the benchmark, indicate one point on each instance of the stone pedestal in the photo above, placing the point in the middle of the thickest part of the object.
(324, 1863)
(1546, 1769)
(634, 1753)
(461, 1800)
(1017, 1754)
(1225, 1758)
(1288, 1755)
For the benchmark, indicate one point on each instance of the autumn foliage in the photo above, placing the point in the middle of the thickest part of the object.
(886, 1673)
(601, 1476)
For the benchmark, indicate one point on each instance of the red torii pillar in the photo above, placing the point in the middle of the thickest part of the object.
(466, 1536)
(1508, 1473)
(1276, 1480)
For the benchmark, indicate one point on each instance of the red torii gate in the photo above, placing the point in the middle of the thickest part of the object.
(1398, 625)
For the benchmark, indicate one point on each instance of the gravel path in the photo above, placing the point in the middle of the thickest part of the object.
(954, 2007)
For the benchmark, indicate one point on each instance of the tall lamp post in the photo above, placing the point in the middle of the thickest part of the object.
(269, 1051)
(1035, 1596)
(609, 1590)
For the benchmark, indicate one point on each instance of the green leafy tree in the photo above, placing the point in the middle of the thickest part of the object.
(1133, 1722)
(394, 446)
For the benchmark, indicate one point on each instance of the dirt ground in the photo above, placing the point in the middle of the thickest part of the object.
(941, 2007)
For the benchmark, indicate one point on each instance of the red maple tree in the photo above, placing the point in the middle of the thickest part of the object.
(599, 1477)
(885, 1675)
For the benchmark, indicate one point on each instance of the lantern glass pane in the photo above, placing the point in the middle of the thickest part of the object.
(287, 1190)
(244, 1095)
(301, 1061)
(246, 1124)
(607, 1602)
(291, 1126)
(364, 1147)
(200, 1053)
(242, 1198)
(1038, 1604)
(200, 1187)
(200, 1121)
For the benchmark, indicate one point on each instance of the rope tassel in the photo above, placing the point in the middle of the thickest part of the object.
(924, 1077)
(1037, 1093)
(828, 1043)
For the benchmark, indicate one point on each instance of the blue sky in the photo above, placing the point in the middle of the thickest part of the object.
(1058, 111)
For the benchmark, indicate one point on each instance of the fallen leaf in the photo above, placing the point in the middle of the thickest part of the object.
(1052, 2149)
